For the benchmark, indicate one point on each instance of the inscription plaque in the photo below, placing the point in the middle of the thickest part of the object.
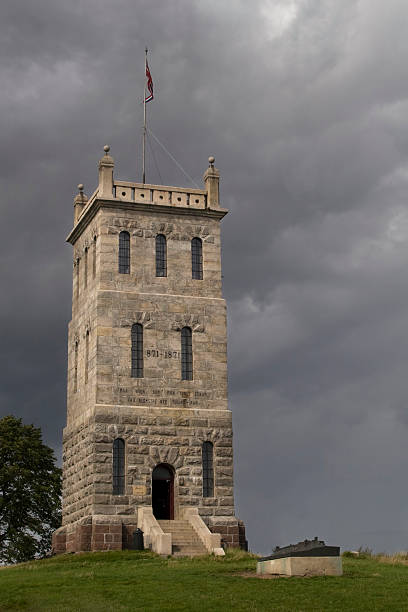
(163, 397)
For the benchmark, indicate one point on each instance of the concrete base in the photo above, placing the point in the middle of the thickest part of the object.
(301, 566)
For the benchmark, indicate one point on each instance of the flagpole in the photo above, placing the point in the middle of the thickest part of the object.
(144, 123)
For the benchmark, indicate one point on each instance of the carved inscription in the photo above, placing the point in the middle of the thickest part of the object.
(164, 354)
(163, 397)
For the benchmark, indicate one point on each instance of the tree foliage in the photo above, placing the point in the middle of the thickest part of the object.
(30, 492)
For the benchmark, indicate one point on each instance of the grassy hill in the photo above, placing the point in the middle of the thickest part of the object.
(133, 580)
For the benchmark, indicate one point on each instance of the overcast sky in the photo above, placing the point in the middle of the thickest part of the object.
(304, 104)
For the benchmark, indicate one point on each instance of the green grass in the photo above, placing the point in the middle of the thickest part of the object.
(131, 580)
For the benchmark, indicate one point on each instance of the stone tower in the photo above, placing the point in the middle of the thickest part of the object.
(148, 440)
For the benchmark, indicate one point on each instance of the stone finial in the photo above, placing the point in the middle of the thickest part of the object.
(212, 183)
(106, 158)
(106, 166)
(79, 202)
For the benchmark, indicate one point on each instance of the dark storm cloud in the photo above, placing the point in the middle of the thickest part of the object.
(305, 106)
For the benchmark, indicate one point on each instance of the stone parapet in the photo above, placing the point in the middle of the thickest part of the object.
(155, 538)
(210, 540)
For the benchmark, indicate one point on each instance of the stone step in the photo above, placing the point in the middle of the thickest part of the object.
(196, 547)
(177, 538)
(182, 533)
(189, 554)
(168, 525)
(177, 530)
(185, 527)
(189, 549)
(185, 541)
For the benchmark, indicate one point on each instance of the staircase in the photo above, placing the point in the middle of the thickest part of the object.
(185, 542)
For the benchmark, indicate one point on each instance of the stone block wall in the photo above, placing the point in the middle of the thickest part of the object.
(107, 537)
(108, 304)
(59, 542)
(162, 320)
(143, 228)
(231, 530)
(161, 418)
(93, 535)
(100, 535)
(151, 437)
(79, 473)
(86, 260)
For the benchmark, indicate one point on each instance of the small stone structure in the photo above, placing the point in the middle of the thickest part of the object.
(308, 558)
(132, 413)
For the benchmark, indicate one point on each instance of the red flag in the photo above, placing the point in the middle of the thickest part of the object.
(149, 95)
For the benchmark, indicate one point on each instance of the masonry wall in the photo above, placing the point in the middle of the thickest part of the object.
(151, 436)
(110, 303)
(86, 274)
(161, 418)
(179, 229)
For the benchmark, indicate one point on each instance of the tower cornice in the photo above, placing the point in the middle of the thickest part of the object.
(117, 204)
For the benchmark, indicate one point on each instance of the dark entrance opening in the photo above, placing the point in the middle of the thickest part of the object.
(163, 492)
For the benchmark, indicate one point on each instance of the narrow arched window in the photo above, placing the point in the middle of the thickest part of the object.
(186, 354)
(76, 367)
(77, 278)
(86, 268)
(161, 255)
(124, 253)
(137, 351)
(118, 467)
(86, 356)
(197, 258)
(94, 258)
(208, 469)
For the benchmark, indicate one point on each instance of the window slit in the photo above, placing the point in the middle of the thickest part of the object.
(137, 351)
(208, 469)
(76, 367)
(186, 354)
(161, 255)
(86, 268)
(86, 356)
(77, 275)
(197, 258)
(118, 467)
(124, 253)
(94, 258)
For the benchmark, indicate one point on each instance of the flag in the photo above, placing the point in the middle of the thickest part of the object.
(149, 96)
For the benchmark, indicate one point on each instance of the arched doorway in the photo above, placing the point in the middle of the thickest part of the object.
(163, 492)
